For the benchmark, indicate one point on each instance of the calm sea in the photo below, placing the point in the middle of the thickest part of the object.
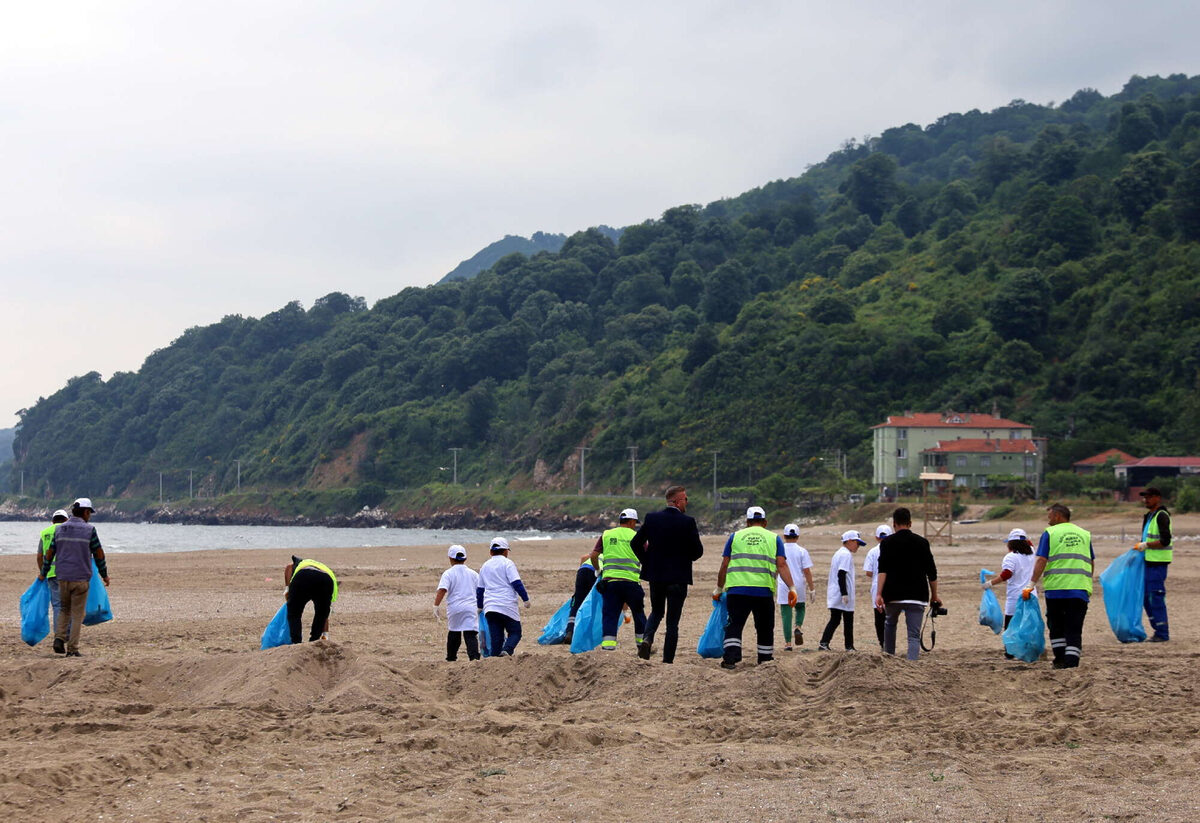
(22, 538)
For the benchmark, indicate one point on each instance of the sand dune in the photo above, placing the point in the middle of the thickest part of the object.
(175, 715)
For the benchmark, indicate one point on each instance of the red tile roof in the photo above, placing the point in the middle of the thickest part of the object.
(1162, 462)
(984, 446)
(1102, 458)
(937, 420)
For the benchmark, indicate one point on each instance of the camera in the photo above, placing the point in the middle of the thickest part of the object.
(936, 609)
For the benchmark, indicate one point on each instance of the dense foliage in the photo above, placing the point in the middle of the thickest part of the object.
(1041, 258)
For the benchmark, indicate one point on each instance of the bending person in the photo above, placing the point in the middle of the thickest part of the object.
(309, 580)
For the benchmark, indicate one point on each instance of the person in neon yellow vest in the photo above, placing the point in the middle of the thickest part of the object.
(44, 541)
(309, 580)
(752, 559)
(1064, 565)
(1156, 544)
(618, 583)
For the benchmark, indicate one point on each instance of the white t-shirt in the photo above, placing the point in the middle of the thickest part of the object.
(843, 560)
(497, 576)
(1021, 566)
(460, 583)
(871, 564)
(797, 560)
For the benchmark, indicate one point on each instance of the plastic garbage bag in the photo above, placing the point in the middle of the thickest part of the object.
(485, 637)
(98, 608)
(712, 642)
(277, 632)
(990, 613)
(556, 629)
(35, 613)
(589, 626)
(1124, 585)
(1025, 637)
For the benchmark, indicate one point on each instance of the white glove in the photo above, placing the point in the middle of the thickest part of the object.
(1140, 547)
(716, 595)
(845, 599)
(324, 635)
(439, 613)
(811, 592)
(527, 604)
(987, 584)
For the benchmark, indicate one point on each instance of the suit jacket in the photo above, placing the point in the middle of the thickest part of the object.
(668, 543)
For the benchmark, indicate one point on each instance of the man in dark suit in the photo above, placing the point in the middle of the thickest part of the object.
(667, 543)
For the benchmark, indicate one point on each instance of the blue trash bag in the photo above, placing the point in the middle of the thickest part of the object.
(277, 632)
(1124, 584)
(712, 642)
(35, 613)
(98, 608)
(485, 637)
(589, 623)
(1025, 637)
(556, 629)
(990, 613)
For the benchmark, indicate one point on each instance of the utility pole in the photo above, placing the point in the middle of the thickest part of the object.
(456, 450)
(633, 470)
(714, 454)
(239, 475)
(189, 484)
(22, 482)
(583, 450)
(160, 488)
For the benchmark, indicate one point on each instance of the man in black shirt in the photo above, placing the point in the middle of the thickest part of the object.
(907, 582)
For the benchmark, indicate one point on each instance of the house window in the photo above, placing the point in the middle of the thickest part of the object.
(1014, 434)
(983, 481)
(902, 454)
(961, 461)
(985, 461)
(902, 471)
(1029, 461)
(901, 434)
(960, 480)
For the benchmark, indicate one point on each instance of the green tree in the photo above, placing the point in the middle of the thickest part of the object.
(872, 186)
(1142, 183)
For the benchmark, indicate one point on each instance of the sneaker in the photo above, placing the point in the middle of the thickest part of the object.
(74, 654)
(59, 646)
(504, 654)
(824, 647)
(1060, 664)
(1158, 638)
(851, 649)
(645, 649)
(725, 664)
(787, 648)
(798, 636)
(568, 636)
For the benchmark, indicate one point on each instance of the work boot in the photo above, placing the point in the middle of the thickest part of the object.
(645, 649)
(59, 646)
(74, 654)
(798, 636)
(728, 664)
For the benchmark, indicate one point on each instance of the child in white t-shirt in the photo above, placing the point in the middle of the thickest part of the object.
(457, 587)
(499, 587)
(1016, 569)
(799, 563)
(839, 594)
(871, 567)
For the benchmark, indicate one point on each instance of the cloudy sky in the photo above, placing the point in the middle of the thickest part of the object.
(165, 164)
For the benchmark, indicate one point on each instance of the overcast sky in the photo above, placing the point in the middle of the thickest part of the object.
(165, 164)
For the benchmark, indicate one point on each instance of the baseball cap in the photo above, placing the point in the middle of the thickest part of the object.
(755, 513)
(499, 543)
(457, 552)
(83, 503)
(883, 530)
(629, 514)
(791, 530)
(59, 513)
(1150, 491)
(853, 535)
(1016, 534)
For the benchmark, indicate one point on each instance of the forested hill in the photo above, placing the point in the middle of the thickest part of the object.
(490, 254)
(1045, 259)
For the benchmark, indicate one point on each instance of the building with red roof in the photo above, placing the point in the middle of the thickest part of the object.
(900, 444)
(1138, 474)
(974, 462)
(1096, 462)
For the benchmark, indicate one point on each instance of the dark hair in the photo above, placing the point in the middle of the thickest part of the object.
(1020, 546)
(1061, 509)
(902, 517)
(674, 490)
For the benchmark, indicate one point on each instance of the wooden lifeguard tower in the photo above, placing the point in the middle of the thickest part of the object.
(937, 501)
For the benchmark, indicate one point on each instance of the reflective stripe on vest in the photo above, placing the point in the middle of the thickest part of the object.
(1069, 565)
(321, 567)
(752, 559)
(47, 536)
(620, 563)
(1150, 532)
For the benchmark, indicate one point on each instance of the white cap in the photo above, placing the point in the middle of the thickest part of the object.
(853, 535)
(499, 543)
(755, 513)
(791, 530)
(1016, 534)
(882, 531)
(59, 513)
(629, 514)
(457, 552)
(83, 503)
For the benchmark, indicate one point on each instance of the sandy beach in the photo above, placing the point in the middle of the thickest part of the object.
(174, 714)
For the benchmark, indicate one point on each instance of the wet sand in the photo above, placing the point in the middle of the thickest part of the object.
(175, 715)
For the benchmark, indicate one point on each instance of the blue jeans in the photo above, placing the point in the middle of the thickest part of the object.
(498, 626)
(913, 612)
(618, 593)
(1155, 600)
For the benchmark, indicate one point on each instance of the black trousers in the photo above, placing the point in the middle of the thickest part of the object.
(309, 584)
(666, 598)
(880, 620)
(585, 578)
(846, 619)
(741, 606)
(1064, 619)
(454, 639)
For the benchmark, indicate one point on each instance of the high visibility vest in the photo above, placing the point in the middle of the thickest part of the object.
(1150, 532)
(1070, 563)
(752, 559)
(47, 536)
(620, 563)
(321, 567)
